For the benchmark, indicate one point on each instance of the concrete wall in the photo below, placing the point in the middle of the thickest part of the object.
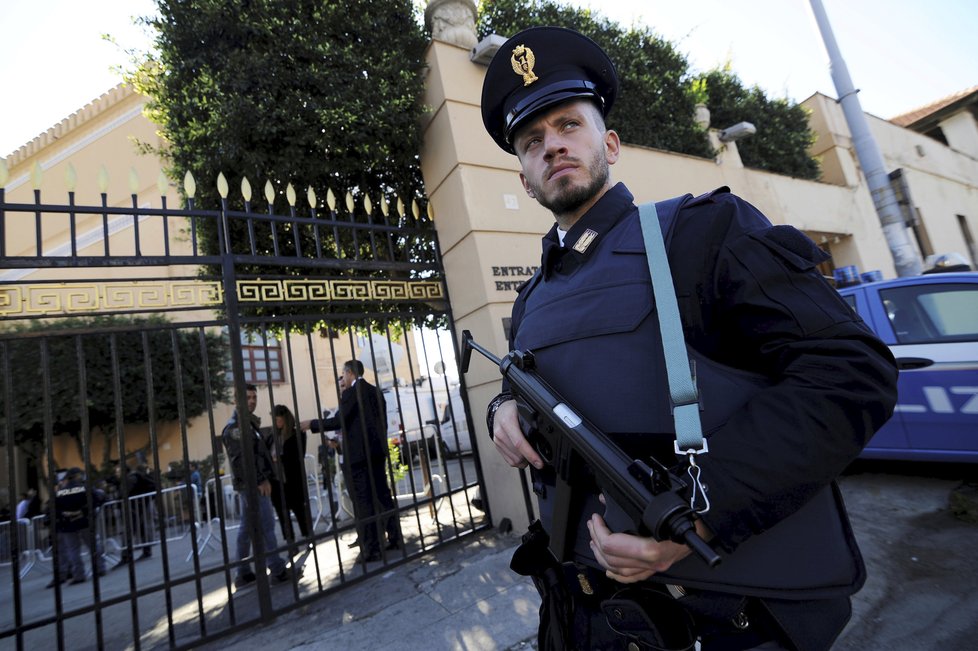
(961, 132)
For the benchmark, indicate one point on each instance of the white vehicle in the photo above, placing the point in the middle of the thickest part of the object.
(455, 436)
(430, 414)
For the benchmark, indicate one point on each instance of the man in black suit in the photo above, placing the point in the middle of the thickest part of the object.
(362, 416)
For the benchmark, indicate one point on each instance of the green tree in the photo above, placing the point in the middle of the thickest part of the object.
(71, 346)
(783, 136)
(322, 94)
(655, 103)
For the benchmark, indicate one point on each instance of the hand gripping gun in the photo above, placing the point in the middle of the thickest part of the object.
(640, 497)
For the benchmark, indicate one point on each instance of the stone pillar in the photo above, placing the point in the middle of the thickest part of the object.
(489, 232)
(452, 21)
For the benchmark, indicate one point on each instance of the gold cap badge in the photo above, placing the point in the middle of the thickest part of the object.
(523, 61)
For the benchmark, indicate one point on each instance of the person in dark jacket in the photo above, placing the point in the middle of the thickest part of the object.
(74, 525)
(34, 507)
(257, 516)
(140, 489)
(362, 416)
(815, 382)
(291, 497)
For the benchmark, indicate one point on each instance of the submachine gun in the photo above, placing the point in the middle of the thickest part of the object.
(641, 497)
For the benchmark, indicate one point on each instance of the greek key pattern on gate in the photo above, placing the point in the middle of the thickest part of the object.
(304, 291)
(92, 298)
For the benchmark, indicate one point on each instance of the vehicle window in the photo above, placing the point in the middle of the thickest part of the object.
(933, 313)
(851, 300)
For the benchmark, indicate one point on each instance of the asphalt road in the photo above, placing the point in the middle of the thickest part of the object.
(922, 562)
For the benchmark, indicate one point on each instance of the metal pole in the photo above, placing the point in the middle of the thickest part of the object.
(905, 257)
(230, 285)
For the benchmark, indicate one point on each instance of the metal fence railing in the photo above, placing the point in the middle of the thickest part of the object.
(137, 319)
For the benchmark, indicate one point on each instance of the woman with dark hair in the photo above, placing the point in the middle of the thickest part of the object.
(290, 447)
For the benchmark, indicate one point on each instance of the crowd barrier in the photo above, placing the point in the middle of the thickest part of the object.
(39, 537)
(405, 490)
(211, 529)
(34, 537)
(218, 490)
(320, 495)
(144, 530)
(17, 535)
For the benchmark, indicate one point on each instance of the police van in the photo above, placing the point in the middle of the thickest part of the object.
(930, 323)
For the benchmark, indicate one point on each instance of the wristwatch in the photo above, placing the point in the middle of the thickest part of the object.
(505, 396)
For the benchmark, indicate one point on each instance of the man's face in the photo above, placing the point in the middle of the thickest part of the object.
(565, 154)
(252, 401)
(348, 378)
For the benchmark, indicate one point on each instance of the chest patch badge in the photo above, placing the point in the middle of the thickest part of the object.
(584, 241)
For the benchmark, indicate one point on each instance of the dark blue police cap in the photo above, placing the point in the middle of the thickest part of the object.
(538, 68)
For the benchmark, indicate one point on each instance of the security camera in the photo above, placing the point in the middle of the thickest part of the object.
(737, 131)
(485, 49)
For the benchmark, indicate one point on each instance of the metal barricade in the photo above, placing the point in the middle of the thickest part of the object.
(313, 492)
(224, 492)
(344, 506)
(17, 536)
(144, 527)
(405, 493)
(41, 534)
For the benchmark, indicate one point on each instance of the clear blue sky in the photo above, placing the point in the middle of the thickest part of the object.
(902, 54)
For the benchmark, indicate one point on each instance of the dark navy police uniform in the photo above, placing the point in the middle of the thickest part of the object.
(74, 527)
(751, 298)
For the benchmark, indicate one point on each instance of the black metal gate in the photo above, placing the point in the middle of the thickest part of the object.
(126, 333)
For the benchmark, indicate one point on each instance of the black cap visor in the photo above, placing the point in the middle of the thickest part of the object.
(546, 97)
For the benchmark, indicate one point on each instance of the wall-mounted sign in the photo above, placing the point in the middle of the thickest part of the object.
(511, 277)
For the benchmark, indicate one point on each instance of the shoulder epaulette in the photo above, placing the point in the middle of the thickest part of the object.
(708, 196)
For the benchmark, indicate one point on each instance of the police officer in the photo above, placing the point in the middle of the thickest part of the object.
(73, 526)
(752, 301)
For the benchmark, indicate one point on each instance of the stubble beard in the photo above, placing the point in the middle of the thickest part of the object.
(568, 198)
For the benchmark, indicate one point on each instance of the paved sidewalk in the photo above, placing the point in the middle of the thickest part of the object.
(462, 596)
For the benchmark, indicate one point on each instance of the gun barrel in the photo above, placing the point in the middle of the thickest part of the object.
(468, 345)
(701, 548)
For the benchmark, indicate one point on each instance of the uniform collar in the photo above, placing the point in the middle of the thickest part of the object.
(583, 237)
